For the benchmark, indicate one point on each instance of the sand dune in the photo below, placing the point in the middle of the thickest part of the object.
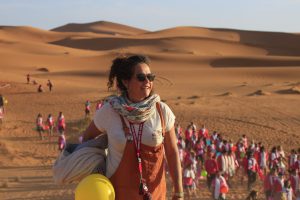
(236, 82)
(103, 27)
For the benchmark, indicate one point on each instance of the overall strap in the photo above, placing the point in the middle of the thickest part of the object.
(125, 127)
(158, 107)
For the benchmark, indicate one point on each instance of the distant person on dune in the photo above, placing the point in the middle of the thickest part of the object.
(50, 85)
(28, 78)
(141, 133)
(87, 108)
(40, 88)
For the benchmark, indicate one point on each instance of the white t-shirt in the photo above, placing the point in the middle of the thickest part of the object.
(107, 119)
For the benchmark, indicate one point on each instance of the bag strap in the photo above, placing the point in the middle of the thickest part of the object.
(125, 127)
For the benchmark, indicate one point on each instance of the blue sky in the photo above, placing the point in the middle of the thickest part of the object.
(264, 15)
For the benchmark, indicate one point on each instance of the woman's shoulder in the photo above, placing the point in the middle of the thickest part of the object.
(165, 108)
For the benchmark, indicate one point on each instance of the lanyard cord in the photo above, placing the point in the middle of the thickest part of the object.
(137, 138)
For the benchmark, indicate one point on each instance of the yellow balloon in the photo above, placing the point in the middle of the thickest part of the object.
(95, 187)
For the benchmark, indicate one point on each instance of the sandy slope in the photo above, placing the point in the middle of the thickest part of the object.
(236, 82)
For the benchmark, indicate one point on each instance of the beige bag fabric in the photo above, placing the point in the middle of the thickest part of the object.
(86, 159)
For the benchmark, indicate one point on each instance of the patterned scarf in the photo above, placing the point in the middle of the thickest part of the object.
(135, 112)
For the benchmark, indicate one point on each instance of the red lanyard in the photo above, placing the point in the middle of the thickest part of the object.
(137, 138)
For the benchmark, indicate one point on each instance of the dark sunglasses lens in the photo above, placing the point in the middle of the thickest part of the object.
(142, 77)
(150, 77)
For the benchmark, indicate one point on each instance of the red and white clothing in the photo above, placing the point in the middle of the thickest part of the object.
(217, 184)
(269, 182)
(61, 122)
(281, 167)
(188, 134)
(223, 163)
(188, 177)
(292, 160)
(278, 184)
(288, 192)
(262, 159)
(39, 122)
(231, 164)
(99, 105)
(252, 164)
(211, 166)
(61, 142)
(50, 121)
(245, 142)
(273, 159)
(294, 179)
(203, 132)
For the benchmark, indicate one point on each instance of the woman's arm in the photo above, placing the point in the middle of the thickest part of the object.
(172, 156)
(91, 132)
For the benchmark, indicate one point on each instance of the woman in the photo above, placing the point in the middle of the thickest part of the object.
(140, 129)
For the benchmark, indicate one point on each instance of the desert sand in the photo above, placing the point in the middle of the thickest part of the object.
(236, 82)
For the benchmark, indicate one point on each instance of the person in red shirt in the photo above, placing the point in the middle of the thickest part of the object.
(203, 132)
(188, 135)
(50, 124)
(211, 167)
(295, 181)
(278, 186)
(269, 183)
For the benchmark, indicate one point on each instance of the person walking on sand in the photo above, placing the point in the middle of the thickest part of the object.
(40, 126)
(219, 187)
(61, 125)
(141, 133)
(62, 142)
(50, 123)
(2, 102)
(28, 78)
(40, 88)
(50, 85)
(87, 108)
(211, 166)
(252, 170)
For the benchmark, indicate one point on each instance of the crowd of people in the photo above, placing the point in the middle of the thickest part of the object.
(220, 160)
(48, 127)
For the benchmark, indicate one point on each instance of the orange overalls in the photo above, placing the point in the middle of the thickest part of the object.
(126, 179)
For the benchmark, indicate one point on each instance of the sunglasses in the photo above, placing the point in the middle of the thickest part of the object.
(142, 77)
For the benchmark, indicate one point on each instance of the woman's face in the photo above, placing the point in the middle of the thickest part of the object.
(137, 89)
